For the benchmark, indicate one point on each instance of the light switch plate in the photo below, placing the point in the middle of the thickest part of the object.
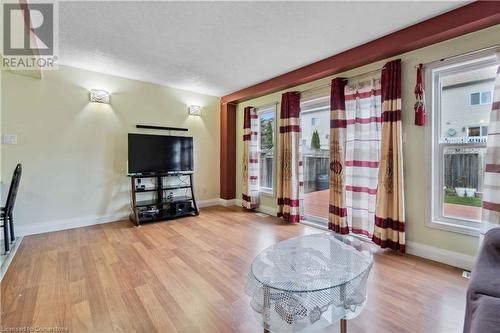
(10, 139)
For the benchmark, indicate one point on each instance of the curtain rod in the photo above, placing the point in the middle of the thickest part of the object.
(462, 55)
(345, 79)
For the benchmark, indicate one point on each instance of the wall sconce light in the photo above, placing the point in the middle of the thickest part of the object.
(194, 110)
(99, 96)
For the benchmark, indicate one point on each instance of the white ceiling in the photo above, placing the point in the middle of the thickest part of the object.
(220, 47)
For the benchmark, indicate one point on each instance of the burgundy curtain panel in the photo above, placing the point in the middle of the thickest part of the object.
(389, 231)
(250, 188)
(337, 217)
(290, 184)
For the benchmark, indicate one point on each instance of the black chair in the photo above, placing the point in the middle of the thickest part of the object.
(6, 212)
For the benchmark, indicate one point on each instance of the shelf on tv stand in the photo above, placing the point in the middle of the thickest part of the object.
(141, 190)
(175, 187)
(154, 202)
(159, 174)
(162, 216)
(164, 188)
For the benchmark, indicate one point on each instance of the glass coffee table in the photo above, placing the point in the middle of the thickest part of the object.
(310, 282)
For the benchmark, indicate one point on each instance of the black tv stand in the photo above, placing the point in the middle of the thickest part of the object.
(164, 202)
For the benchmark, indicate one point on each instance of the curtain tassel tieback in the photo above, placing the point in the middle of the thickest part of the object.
(420, 98)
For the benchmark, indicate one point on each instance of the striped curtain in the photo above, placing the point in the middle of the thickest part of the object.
(364, 121)
(337, 220)
(491, 187)
(290, 184)
(250, 190)
(389, 228)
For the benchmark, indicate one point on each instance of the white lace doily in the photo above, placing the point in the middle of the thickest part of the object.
(309, 282)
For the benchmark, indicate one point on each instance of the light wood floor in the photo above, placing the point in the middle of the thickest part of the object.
(188, 275)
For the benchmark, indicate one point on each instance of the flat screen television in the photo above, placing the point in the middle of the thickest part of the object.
(159, 153)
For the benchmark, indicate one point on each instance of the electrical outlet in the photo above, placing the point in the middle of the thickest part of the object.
(10, 139)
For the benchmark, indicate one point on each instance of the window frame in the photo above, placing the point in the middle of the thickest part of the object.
(265, 110)
(481, 129)
(481, 97)
(435, 146)
(469, 127)
(480, 92)
(314, 121)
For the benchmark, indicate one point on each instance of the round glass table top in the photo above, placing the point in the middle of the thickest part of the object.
(311, 263)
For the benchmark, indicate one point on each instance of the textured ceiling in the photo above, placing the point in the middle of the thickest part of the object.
(220, 47)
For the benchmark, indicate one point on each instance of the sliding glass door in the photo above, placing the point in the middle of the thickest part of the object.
(315, 125)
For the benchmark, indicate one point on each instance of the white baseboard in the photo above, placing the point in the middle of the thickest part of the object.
(451, 258)
(64, 224)
(227, 203)
(208, 202)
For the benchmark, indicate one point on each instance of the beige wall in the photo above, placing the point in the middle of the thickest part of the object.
(74, 153)
(415, 176)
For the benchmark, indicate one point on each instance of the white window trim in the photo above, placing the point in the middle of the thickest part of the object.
(434, 203)
(266, 191)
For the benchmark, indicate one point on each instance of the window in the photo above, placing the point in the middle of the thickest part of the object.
(314, 121)
(474, 131)
(475, 98)
(459, 141)
(267, 140)
(480, 98)
(486, 97)
(484, 130)
(477, 130)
